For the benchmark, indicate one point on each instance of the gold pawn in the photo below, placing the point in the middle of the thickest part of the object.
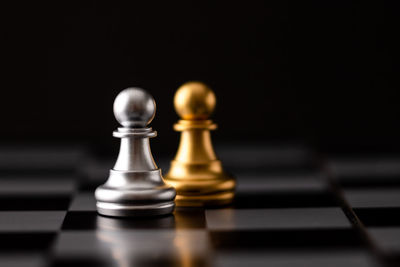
(195, 172)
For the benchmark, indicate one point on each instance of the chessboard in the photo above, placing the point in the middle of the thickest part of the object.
(293, 207)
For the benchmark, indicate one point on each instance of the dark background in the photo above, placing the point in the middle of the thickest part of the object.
(322, 72)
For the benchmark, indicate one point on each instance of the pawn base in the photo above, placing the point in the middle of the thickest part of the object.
(135, 193)
(126, 210)
(199, 185)
(215, 200)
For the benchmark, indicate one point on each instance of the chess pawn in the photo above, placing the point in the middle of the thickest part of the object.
(195, 172)
(135, 186)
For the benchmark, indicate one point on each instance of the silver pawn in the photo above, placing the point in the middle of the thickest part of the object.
(135, 186)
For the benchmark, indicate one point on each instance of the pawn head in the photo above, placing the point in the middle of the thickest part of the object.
(134, 108)
(194, 101)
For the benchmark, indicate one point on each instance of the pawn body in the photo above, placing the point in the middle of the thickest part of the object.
(196, 173)
(135, 186)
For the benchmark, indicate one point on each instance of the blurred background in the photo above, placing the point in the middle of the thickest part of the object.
(320, 72)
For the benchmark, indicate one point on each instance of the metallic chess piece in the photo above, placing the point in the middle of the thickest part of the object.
(196, 173)
(135, 186)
